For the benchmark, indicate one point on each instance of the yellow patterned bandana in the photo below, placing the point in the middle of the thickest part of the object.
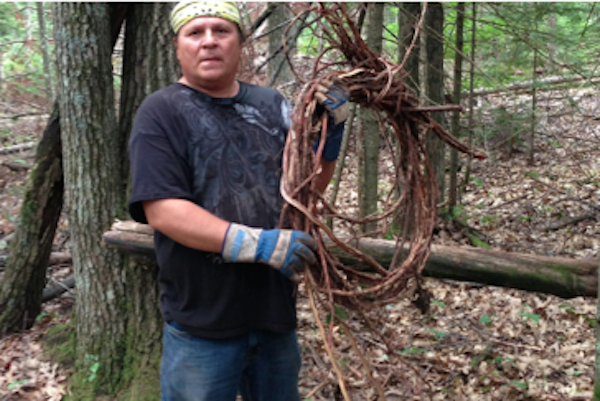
(186, 11)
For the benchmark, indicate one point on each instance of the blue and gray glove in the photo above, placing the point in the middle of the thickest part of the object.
(284, 250)
(333, 96)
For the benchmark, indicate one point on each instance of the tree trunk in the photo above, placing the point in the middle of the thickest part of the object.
(453, 190)
(434, 21)
(470, 123)
(279, 71)
(596, 396)
(93, 191)
(23, 283)
(371, 124)
(408, 17)
(45, 53)
(563, 277)
(149, 63)
(531, 157)
(25, 276)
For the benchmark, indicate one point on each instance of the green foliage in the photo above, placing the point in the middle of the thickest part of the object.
(340, 314)
(532, 316)
(476, 241)
(485, 319)
(438, 303)
(521, 385)
(16, 384)
(508, 34)
(489, 221)
(437, 333)
(22, 60)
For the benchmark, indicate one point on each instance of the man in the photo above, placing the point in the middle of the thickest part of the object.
(206, 160)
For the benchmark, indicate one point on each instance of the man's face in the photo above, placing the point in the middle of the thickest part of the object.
(209, 50)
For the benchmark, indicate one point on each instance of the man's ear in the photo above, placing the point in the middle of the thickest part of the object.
(175, 42)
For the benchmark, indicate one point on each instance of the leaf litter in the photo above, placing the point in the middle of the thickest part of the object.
(477, 342)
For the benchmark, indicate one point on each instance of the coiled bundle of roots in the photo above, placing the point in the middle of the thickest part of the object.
(375, 83)
(378, 84)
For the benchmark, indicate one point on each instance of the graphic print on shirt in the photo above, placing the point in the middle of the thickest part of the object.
(236, 156)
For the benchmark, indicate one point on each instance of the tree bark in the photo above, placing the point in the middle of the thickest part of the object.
(25, 276)
(434, 21)
(408, 16)
(453, 192)
(471, 98)
(23, 283)
(596, 396)
(279, 71)
(566, 278)
(371, 124)
(149, 63)
(45, 53)
(93, 194)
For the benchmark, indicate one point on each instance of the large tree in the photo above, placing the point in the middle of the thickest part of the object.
(434, 88)
(93, 195)
(117, 321)
(408, 18)
(368, 205)
(25, 276)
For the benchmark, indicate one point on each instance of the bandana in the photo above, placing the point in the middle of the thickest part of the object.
(186, 11)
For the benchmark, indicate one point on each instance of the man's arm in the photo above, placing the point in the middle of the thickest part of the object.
(324, 177)
(195, 227)
(187, 223)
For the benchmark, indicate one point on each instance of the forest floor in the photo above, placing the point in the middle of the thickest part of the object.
(476, 342)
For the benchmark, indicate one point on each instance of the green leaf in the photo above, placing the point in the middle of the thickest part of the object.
(519, 385)
(41, 316)
(532, 316)
(477, 181)
(341, 313)
(532, 174)
(485, 319)
(18, 383)
(93, 369)
(438, 303)
(437, 333)
(475, 241)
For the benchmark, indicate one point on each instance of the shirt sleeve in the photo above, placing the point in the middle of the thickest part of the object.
(333, 143)
(159, 168)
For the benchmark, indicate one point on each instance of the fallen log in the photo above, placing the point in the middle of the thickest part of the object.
(56, 258)
(566, 278)
(58, 289)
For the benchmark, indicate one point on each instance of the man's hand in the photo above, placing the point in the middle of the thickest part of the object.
(333, 96)
(284, 250)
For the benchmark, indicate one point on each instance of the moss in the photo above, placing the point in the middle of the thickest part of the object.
(59, 344)
(567, 286)
(141, 378)
(140, 375)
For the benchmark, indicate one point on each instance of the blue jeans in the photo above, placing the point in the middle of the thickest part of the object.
(262, 366)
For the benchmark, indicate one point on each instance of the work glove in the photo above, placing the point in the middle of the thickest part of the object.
(284, 250)
(333, 96)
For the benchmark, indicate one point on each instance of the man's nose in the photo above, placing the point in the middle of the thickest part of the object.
(209, 38)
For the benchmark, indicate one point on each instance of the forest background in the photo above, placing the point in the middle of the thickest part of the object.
(528, 86)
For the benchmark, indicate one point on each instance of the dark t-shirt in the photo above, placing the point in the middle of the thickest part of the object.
(224, 155)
